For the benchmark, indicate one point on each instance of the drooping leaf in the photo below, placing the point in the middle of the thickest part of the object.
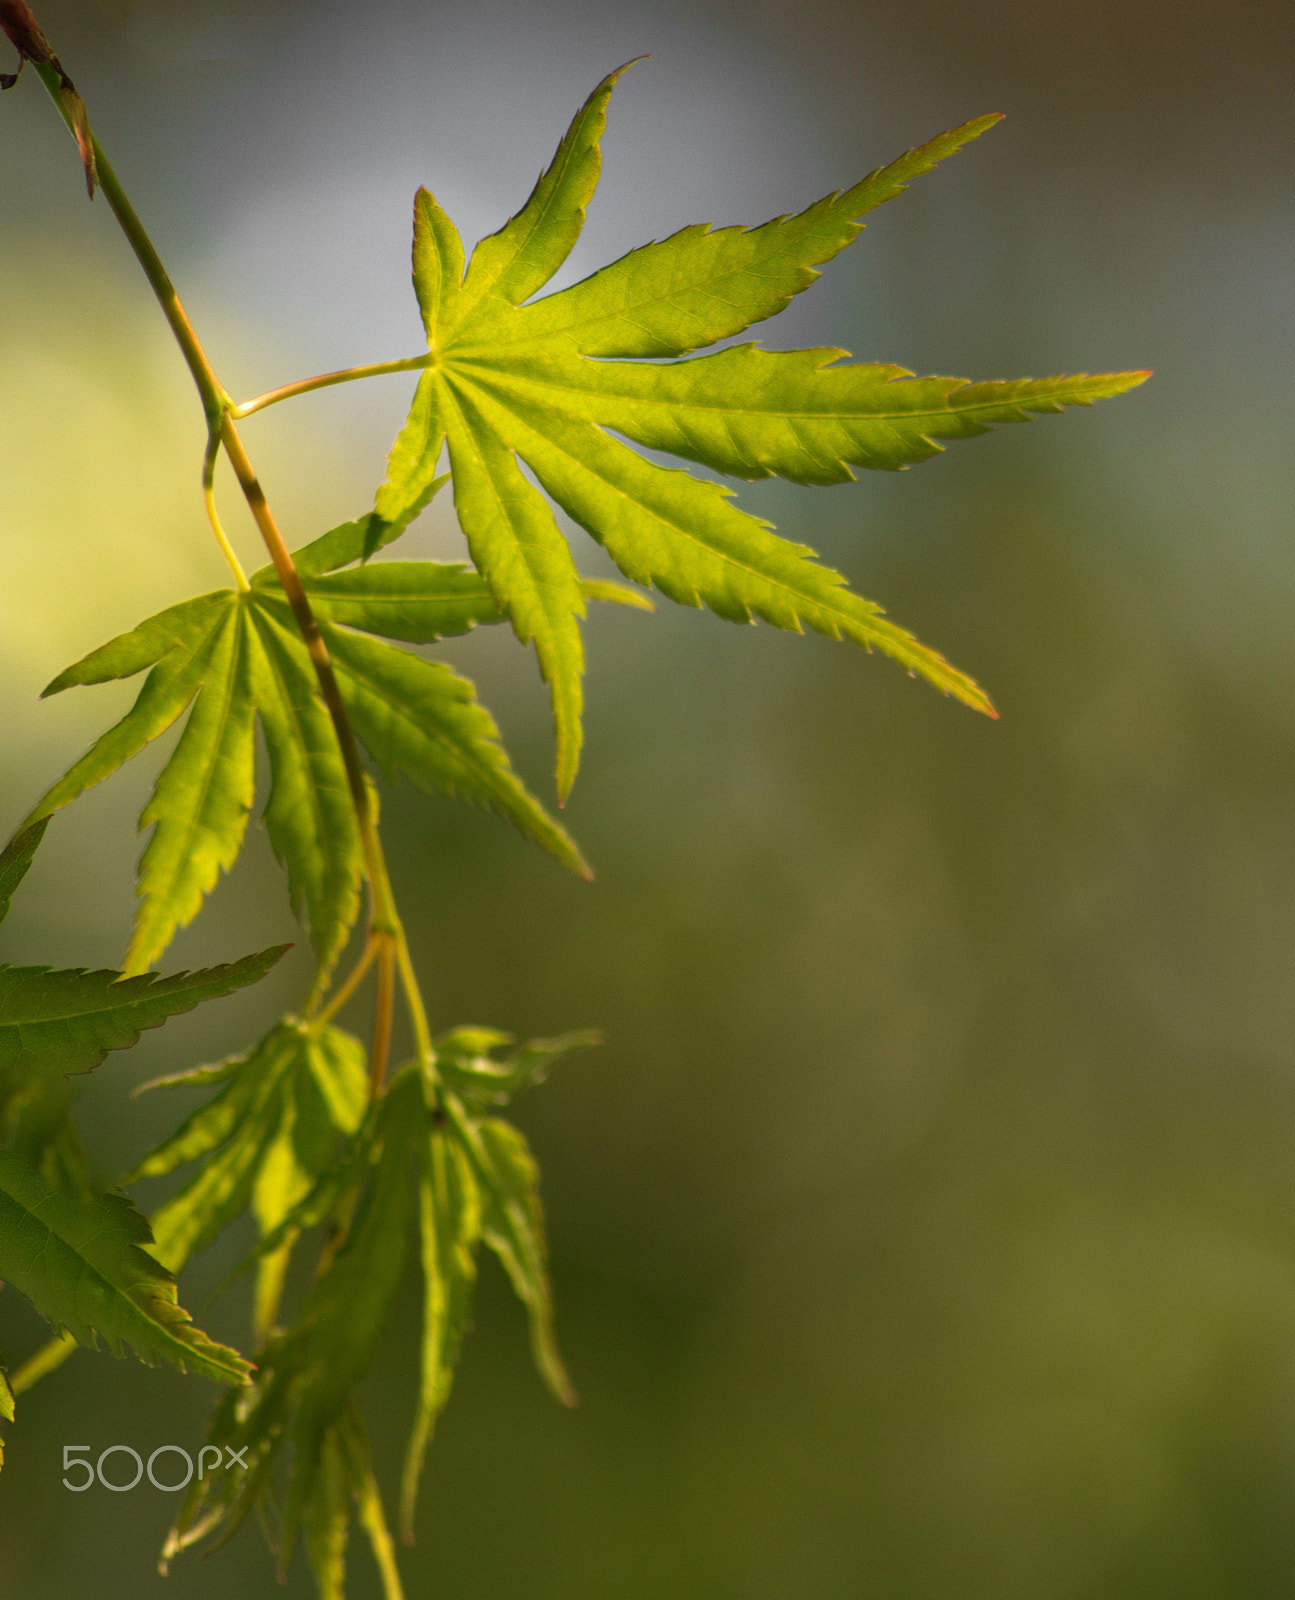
(337, 1062)
(368, 1501)
(449, 1214)
(512, 1224)
(328, 1520)
(83, 1265)
(464, 1059)
(543, 385)
(333, 1343)
(238, 1131)
(419, 1152)
(264, 1138)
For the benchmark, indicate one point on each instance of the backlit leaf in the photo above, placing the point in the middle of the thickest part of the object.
(516, 384)
(245, 658)
(512, 1224)
(420, 719)
(264, 1138)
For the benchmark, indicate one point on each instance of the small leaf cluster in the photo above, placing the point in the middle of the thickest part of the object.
(428, 1168)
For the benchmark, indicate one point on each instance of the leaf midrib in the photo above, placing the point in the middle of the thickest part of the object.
(519, 380)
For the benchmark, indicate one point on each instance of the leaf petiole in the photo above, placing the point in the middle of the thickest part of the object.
(414, 1001)
(213, 515)
(325, 380)
(346, 988)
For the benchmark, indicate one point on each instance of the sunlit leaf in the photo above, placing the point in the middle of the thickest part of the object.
(420, 719)
(232, 657)
(264, 1138)
(516, 384)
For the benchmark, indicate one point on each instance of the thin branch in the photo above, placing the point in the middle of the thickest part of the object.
(220, 413)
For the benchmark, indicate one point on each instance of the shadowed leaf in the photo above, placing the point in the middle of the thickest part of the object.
(82, 1264)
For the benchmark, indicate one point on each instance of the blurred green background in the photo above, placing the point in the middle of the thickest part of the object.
(926, 1229)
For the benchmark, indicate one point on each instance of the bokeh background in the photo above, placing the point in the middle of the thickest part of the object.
(926, 1228)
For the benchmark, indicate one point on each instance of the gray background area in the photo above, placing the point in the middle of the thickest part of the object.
(925, 1230)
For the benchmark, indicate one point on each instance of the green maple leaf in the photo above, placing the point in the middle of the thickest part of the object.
(228, 657)
(548, 383)
(264, 1140)
(424, 1160)
(56, 1022)
(82, 1263)
(53, 1023)
(80, 1257)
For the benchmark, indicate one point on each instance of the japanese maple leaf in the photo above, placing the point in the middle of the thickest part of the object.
(550, 382)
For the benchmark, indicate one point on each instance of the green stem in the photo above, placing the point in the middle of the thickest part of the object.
(344, 991)
(414, 1000)
(214, 399)
(213, 514)
(384, 920)
(383, 1014)
(326, 380)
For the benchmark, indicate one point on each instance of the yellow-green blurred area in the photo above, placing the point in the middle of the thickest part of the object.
(926, 1228)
